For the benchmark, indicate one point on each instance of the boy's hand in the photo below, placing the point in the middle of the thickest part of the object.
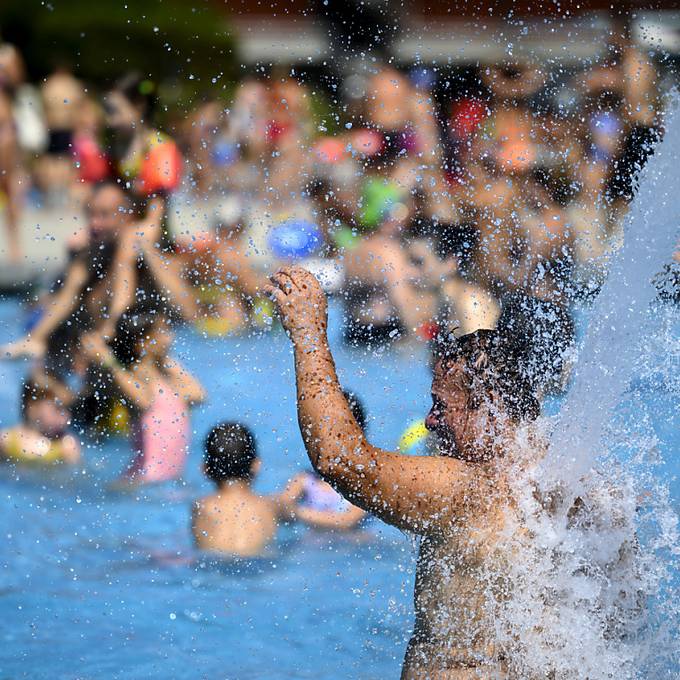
(301, 303)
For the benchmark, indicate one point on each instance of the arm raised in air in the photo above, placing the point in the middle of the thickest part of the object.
(420, 494)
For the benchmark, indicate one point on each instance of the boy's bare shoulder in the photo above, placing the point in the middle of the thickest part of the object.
(263, 505)
(205, 505)
(216, 506)
(6, 435)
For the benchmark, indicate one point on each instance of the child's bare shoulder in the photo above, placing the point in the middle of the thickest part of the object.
(7, 432)
(206, 505)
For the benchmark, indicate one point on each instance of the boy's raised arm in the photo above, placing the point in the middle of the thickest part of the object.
(420, 494)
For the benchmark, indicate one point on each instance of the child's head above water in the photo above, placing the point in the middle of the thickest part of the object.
(230, 453)
(142, 335)
(490, 363)
(42, 410)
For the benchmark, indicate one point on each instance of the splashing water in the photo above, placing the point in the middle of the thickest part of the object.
(620, 316)
(595, 549)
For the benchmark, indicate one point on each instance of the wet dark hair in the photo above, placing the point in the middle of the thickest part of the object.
(33, 392)
(491, 356)
(130, 330)
(230, 450)
(139, 91)
(357, 408)
(537, 333)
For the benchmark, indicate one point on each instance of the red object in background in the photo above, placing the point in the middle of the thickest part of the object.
(428, 331)
(93, 164)
(161, 168)
(330, 150)
(466, 116)
(275, 130)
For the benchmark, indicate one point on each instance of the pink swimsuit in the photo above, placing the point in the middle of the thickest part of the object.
(161, 437)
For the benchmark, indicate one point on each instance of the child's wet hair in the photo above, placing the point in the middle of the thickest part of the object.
(230, 451)
(32, 392)
(497, 361)
(130, 330)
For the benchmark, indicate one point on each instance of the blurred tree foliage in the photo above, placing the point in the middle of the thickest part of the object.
(182, 43)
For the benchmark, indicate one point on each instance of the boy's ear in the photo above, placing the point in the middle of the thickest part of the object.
(255, 467)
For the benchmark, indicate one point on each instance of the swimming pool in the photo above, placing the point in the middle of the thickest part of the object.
(98, 584)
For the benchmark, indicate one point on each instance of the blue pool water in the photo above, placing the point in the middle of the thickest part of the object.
(98, 584)
(102, 584)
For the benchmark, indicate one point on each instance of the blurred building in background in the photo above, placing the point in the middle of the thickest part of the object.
(442, 33)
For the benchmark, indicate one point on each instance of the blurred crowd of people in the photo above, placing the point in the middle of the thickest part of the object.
(416, 199)
(422, 204)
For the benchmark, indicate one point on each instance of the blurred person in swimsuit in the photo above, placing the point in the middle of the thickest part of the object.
(115, 266)
(221, 269)
(158, 389)
(388, 283)
(63, 96)
(458, 502)
(234, 520)
(11, 75)
(89, 296)
(146, 158)
(314, 501)
(42, 437)
(149, 161)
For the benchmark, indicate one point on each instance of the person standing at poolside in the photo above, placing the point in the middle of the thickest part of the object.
(458, 502)
(11, 75)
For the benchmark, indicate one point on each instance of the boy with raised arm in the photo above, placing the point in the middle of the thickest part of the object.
(458, 502)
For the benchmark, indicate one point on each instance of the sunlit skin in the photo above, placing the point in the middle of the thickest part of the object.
(235, 520)
(456, 501)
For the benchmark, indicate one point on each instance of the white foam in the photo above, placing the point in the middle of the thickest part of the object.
(594, 598)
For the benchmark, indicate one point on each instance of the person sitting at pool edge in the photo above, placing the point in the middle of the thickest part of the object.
(234, 520)
(42, 437)
(314, 501)
(458, 502)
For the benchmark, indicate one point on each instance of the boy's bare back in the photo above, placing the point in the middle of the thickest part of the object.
(234, 522)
